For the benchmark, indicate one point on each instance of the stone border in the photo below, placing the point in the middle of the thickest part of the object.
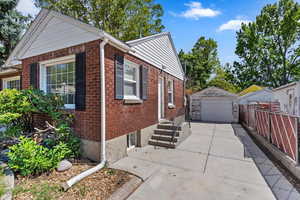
(127, 189)
(279, 155)
(9, 181)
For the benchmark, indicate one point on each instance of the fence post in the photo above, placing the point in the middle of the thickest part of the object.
(248, 115)
(270, 128)
(297, 140)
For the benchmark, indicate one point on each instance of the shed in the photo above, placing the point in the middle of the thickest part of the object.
(264, 95)
(214, 105)
(289, 97)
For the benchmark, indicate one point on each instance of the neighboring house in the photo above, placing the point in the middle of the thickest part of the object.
(252, 88)
(214, 105)
(264, 95)
(10, 78)
(288, 96)
(143, 80)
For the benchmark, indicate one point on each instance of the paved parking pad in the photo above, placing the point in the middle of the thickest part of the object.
(218, 161)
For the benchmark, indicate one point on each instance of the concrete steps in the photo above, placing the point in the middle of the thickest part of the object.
(166, 138)
(162, 144)
(168, 127)
(164, 135)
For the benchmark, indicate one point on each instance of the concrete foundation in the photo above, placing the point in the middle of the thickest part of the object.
(90, 149)
(116, 148)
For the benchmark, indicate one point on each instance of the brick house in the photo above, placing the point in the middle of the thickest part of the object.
(10, 78)
(143, 80)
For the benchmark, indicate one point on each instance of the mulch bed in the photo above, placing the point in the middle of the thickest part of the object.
(289, 176)
(98, 186)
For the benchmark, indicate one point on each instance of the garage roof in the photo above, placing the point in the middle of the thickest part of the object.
(214, 92)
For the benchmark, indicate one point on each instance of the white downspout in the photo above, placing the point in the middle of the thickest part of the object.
(88, 172)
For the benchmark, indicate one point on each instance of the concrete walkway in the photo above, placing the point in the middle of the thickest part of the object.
(215, 162)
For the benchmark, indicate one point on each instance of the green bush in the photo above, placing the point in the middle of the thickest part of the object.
(16, 114)
(29, 158)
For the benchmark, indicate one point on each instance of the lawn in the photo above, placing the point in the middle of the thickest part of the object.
(48, 186)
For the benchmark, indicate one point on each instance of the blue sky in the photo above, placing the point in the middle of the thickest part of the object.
(188, 20)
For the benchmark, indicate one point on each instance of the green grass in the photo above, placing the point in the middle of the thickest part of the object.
(43, 191)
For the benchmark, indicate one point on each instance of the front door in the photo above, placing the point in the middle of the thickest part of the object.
(161, 95)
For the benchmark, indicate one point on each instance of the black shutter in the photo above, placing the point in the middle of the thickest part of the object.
(119, 77)
(34, 75)
(80, 79)
(144, 82)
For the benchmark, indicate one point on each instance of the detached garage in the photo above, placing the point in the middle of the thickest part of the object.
(214, 105)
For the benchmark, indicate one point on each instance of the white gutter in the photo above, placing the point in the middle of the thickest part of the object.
(88, 172)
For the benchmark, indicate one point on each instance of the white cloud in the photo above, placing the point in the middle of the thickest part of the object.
(196, 11)
(234, 24)
(27, 7)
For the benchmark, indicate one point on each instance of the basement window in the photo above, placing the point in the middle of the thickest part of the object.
(131, 140)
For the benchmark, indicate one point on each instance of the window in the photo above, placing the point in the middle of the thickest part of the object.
(59, 78)
(131, 80)
(170, 92)
(131, 140)
(12, 83)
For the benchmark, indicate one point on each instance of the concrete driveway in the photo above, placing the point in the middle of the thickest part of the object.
(212, 163)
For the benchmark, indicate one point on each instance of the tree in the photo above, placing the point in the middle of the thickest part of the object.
(124, 19)
(222, 80)
(200, 62)
(12, 25)
(268, 48)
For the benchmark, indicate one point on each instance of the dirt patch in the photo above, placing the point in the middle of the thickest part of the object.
(48, 186)
(289, 176)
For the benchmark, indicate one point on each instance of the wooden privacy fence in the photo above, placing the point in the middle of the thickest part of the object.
(278, 128)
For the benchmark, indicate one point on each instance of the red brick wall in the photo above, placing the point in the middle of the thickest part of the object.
(121, 118)
(87, 123)
(125, 118)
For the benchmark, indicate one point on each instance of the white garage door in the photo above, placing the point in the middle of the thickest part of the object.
(216, 110)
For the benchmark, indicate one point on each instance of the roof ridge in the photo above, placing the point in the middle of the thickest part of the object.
(150, 37)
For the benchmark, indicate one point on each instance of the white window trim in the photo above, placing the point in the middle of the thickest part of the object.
(132, 97)
(171, 104)
(5, 80)
(131, 146)
(43, 75)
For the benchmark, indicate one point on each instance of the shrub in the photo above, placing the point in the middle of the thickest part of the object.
(16, 114)
(29, 158)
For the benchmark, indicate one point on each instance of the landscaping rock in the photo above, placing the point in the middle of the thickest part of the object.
(3, 155)
(9, 181)
(64, 165)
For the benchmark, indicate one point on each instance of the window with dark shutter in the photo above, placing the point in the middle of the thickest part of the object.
(34, 75)
(80, 81)
(144, 82)
(119, 77)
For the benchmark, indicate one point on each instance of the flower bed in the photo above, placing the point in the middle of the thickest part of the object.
(48, 186)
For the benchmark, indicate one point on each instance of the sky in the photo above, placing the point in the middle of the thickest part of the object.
(188, 20)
